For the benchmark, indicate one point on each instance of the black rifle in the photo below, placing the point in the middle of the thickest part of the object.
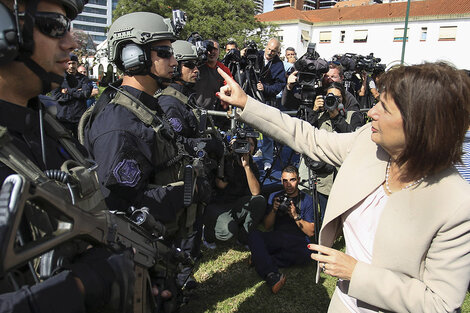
(55, 224)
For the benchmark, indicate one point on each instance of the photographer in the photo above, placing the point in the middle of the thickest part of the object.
(210, 81)
(289, 220)
(367, 94)
(238, 206)
(272, 79)
(232, 60)
(291, 96)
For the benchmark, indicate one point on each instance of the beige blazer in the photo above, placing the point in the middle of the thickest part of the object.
(421, 253)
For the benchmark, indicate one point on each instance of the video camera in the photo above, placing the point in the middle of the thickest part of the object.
(179, 21)
(355, 63)
(311, 69)
(251, 53)
(203, 47)
(233, 55)
(241, 145)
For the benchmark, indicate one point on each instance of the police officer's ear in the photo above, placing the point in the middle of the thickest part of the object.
(8, 36)
(134, 60)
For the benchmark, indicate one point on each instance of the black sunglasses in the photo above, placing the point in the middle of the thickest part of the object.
(51, 24)
(189, 64)
(164, 52)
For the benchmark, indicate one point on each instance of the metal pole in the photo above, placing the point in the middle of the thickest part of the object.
(405, 33)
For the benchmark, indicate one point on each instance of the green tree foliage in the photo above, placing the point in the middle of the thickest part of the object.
(221, 20)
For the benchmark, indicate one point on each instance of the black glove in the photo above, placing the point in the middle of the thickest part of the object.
(108, 278)
(204, 190)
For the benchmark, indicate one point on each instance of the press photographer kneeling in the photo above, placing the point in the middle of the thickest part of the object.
(238, 206)
(290, 218)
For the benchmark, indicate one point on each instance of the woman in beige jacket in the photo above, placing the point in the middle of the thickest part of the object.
(402, 207)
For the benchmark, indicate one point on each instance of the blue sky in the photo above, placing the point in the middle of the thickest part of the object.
(268, 5)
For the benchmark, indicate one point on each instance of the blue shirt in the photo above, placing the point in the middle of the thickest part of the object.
(284, 222)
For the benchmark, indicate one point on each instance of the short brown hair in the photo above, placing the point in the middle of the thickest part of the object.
(434, 102)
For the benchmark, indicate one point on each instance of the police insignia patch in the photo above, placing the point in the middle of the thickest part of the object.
(176, 124)
(127, 172)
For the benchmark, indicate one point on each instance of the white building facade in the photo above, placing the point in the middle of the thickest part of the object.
(430, 37)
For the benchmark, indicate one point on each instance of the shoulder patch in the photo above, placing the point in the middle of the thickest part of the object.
(176, 124)
(127, 172)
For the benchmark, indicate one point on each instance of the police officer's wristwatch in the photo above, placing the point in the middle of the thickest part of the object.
(298, 218)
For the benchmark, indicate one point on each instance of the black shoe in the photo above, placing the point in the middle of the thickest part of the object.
(275, 281)
(191, 283)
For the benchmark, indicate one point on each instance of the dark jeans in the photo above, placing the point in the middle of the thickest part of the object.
(274, 249)
(236, 219)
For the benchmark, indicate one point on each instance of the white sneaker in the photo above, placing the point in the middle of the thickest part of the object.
(267, 166)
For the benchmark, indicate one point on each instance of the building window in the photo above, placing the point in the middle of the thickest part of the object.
(424, 33)
(342, 35)
(100, 2)
(94, 10)
(399, 34)
(360, 36)
(305, 36)
(90, 28)
(447, 33)
(325, 37)
(91, 19)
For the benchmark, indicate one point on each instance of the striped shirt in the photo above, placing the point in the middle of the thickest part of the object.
(464, 169)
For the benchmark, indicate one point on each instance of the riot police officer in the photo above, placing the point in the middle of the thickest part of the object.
(134, 159)
(140, 157)
(33, 57)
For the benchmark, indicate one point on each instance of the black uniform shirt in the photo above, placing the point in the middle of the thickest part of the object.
(59, 293)
(23, 126)
(123, 146)
(181, 117)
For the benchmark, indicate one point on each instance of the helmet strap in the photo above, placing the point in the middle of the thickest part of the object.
(160, 80)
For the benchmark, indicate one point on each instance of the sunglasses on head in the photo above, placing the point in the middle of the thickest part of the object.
(164, 52)
(51, 24)
(189, 64)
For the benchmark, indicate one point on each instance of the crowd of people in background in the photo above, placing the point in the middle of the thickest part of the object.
(147, 129)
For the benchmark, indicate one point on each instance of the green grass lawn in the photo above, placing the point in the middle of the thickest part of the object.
(229, 284)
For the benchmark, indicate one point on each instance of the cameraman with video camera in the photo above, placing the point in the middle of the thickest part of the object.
(271, 80)
(330, 110)
(239, 205)
(210, 81)
(289, 221)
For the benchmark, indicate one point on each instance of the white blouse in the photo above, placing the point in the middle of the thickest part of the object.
(359, 228)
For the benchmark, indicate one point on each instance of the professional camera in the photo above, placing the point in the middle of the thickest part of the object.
(353, 63)
(203, 47)
(232, 56)
(331, 102)
(241, 145)
(251, 50)
(284, 205)
(311, 69)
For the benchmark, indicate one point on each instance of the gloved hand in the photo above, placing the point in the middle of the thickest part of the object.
(108, 278)
(204, 190)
